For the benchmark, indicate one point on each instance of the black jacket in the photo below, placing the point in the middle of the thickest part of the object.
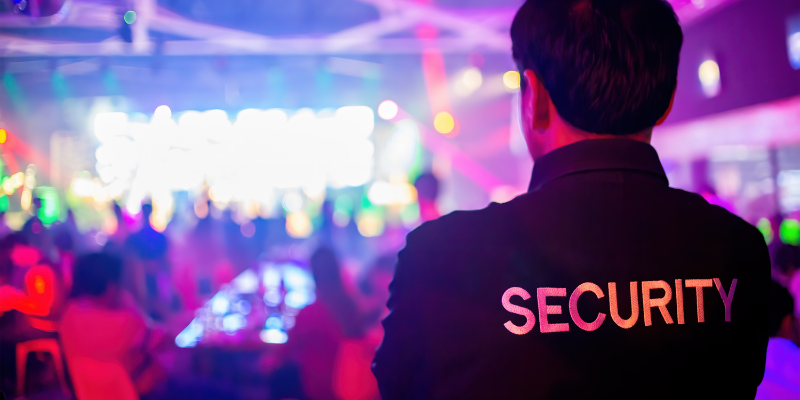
(472, 289)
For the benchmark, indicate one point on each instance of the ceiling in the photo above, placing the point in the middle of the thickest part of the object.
(271, 27)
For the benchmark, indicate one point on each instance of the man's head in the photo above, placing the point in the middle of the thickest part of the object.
(606, 68)
(96, 274)
(781, 310)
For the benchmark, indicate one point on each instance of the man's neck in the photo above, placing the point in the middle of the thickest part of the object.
(565, 134)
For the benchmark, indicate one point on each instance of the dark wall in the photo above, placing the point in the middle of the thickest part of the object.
(748, 40)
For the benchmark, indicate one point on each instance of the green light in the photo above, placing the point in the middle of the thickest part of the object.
(765, 227)
(60, 85)
(790, 232)
(51, 205)
(130, 17)
(14, 92)
(3, 203)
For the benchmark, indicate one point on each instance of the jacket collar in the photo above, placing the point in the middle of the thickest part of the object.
(596, 154)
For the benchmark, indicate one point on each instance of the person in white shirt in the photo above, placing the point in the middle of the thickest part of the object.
(782, 372)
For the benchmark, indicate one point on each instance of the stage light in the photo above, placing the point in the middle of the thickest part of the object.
(130, 17)
(162, 113)
(444, 123)
(387, 110)
(3, 136)
(108, 125)
(709, 77)
(511, 80)
(292, 202)
(699, 3)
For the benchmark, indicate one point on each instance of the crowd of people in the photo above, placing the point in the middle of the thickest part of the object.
(115, 308)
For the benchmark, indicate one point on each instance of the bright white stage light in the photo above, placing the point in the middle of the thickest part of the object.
(388, 110)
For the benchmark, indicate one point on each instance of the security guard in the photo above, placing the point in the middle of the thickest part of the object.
(601, 281)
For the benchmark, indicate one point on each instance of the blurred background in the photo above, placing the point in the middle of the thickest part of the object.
(257, 164)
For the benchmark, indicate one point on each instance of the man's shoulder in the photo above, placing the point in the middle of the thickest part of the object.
(715, 217)
(464, 225)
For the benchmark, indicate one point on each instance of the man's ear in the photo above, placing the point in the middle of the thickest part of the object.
(669, 109)
(541, 101)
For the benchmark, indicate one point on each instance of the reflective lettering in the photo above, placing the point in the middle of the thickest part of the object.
(726, 298)
(528, 314)
(612, 299)
(573, 306)
(698, 285)
(541, 295)
(648, 303)
(679, 300)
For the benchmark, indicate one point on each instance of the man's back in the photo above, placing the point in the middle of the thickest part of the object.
(484, 303)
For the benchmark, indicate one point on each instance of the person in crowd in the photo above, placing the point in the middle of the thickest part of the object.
(601, 281)
(322, 327)
(149, 277)
(782, 374)
(787, 263)
(108, 343)
(427, 186)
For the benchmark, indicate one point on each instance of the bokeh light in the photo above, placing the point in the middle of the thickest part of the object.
(765, 226)
(511, 80)
(794, 49)
(444, 122)
(388, 110)
(709, 77)
(298, 225)
(130, 17)
(3, 136)
(790, 232)
(469, 81)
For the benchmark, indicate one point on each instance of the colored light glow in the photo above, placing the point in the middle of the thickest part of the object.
(162, 113)
(130, 17)
(246, 282)
(233, 322)
(273, 336)
(394, 193)
(709, 77)
(260, 155)
(444, 123)
(388, 110)
(274, 322)
(470, 80)
(248, 229)
(699, 3)
(789, 232)
(298, 225)
(220, 304)
(793, 43)
(190, 335)
(765, 227)
(292, 202)
(51, 208)
(511, 80)
(3, 136)
(370, 224)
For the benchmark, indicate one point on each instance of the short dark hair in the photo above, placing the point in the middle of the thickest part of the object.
(610, 66)
(781, 304)
(94, 272)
